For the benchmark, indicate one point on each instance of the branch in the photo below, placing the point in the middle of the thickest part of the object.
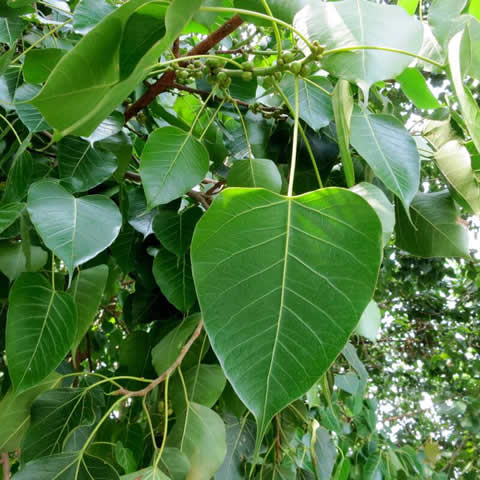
(169, 78)
(200, 198)
(145, 391)
(5, 466)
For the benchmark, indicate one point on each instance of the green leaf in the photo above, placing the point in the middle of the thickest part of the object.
(54, 415)
(342, 102)
(204, 384)
(125, 458)
(103, 65)
(75, 229)
(315, 105)
(138, 217)
(415, 87)
(325, 453)
(455, 164)
(474, 8)
(9, 8)
(87, 291)
(255, 172)
(174, 464)
(11, 30)
(444, 18)
(172, 162)
(175, 230)
(369, 324)
(410, 6)
(281, 325)
(174, 277)
(81, 166)
(29, 115)
(468, 105)
(13, 261)
(200, 434)
(382, 206)
(40, 330)
(146, 474)
(64, 466)
(436, 231)
(40, 62)
(15, 413)
(108, 128)
(351, 23)
(170, 346)
(20, 177)
(284, 10)
(389, 150)
(88, 13)
(9, 213)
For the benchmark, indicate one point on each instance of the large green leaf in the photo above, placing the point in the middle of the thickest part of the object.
(9, 213)
(87, 291)
(468, 105)
(255, 172)
(454, 162)
(83, 167)
(293, 297)
(109, 62)
(315, 104)
(15, 413)
(67, 466)
(14, 262)
(75, 229)
(174, 277)
(391, 152)
(436, 230)
(39, 63)
(200, 434)
(173, 162)
(351, 23)
(40, 330)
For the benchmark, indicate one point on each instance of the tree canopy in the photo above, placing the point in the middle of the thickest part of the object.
(238, 239)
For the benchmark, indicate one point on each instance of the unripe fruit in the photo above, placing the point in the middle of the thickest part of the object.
(296, 67)
(248, 66)
(247, 76)
(288, 57)
(222, 77)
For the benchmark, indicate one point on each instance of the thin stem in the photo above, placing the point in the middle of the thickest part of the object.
(193, 57)
(245, 131)
(165, 426)
(149, 421)
(12, 128)
(420, 11)
(212, 119)
(251, 13)
(383, 49)
(295, 140)
(275, 27)
(202, 109)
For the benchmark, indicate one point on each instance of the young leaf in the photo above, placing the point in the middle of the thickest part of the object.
(436, 231)
(351, 23)
(75, 229)
(255, 172)
(172, 162)
(290, 320)
(415, 87)
(40, 330)
(391, 152)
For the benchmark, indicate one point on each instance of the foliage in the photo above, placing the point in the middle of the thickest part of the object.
(207, 207)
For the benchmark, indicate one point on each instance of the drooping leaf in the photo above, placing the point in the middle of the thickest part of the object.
(455, 164)
(9, 213)
(369, 324)
(315, 104)
(75, 229)
(40, 62)
(88, 13)
(68, 466)
(436, 230)
(172, 162)
(389, 150)
(175, 230)
(382, 206)
(83, 167)
(13, 261)
(350, 23)
(416, 89)
(87, 290)
(468, 105)
(170, 346)
(342, 102)
(15, 413)
(200, 434)
(255, 172)
(288, 322)
(40, 330)
(174, 277)
(54, 415)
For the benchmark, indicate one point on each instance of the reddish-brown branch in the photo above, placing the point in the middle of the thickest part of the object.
(145, 391)
(5, 466)
(168, 78)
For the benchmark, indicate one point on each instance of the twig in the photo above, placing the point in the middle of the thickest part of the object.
(399, 417)
(168, 372)
(169, 78)
(135, 177)
(200, 198)
(5, 466)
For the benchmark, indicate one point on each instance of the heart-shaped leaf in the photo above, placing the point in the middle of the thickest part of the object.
(75, 229)
(293, 297)
(40, 330)
(173, 162)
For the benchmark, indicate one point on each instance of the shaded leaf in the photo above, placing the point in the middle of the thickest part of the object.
(11, 29)
(255, 172)
(9, 213)
(13, 261)
(88, 13)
